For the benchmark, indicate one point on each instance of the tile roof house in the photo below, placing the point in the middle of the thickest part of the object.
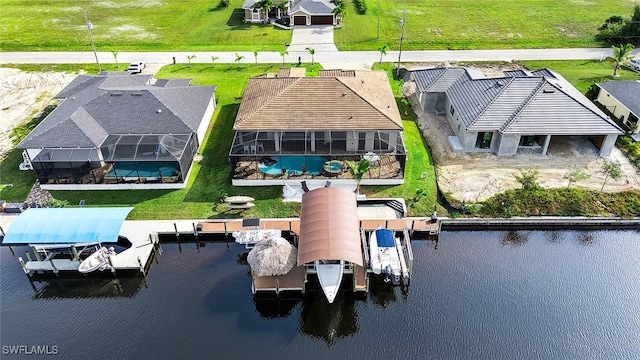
(300, 12)
(522, 110)
(116, 130)
(622, 99)
(337, 116)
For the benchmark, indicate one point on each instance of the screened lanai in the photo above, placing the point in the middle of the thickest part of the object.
(120, 158)
(313, 153)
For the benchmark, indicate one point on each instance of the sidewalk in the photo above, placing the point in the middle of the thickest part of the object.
(368, 57)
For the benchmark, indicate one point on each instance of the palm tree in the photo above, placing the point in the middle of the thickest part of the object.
(383, 51)
(621, 54)
(267, 5)
(189, 58)
(358, 169)
(311, 51)
(283, 53)
(340, 10)
(238, 58)
(213, 60)
(255, 55)
(115, 56)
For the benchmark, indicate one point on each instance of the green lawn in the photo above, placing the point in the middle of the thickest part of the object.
(211, 176)
(202, 25)
(583, 73)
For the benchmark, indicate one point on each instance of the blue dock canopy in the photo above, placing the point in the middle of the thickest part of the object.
(66, 226)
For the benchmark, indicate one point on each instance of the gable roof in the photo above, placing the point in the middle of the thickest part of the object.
(522, 102)
(627, 92)
(363, 101)
(118, 103)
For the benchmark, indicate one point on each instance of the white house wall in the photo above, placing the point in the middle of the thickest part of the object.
(506, 144)
(206, 119)
(612, 104)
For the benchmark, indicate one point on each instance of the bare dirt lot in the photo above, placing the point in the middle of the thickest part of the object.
(22, 96)
(478, 176)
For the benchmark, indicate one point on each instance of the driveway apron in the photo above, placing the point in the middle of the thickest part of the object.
(318, 37)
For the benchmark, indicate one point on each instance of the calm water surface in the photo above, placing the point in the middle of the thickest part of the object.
(480, 295)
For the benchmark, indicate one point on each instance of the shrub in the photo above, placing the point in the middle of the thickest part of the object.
(361, 6)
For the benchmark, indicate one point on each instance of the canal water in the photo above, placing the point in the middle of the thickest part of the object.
(480, 295)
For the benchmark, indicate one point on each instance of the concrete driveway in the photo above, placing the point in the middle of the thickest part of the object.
(318, 37)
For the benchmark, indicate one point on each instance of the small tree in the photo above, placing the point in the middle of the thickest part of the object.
(621, 54)
(213, 60)
(189, 58)
(283, 53)
(238, 58)
(311, 51)
(575, 174)
(255, 55)
(115, 57)
(383, 51)
(358, 169)
(611, 169)
(528, 178)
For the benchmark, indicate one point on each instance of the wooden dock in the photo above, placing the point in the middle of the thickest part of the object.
(294, 280)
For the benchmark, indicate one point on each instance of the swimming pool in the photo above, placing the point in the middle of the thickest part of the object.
(294, 165)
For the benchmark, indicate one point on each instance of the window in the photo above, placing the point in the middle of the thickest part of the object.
(483, 141)
(452, 110)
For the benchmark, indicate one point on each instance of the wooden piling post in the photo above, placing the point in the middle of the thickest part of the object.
(175, 226)
(195, 230)
(35, 252)
(11, 248)
(55, 270)
(28, 255)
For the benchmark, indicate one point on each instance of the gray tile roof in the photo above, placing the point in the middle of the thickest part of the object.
(626, 92)
(96, 106)
(542, 103)
(313, 7)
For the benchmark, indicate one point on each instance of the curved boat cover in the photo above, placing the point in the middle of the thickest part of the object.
(329, 227)
(66, 226)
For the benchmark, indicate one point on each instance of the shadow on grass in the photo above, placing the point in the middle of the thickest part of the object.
(236, 20)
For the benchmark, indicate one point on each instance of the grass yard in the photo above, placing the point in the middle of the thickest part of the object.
(157, 25)
(583, 73)
(211, 177)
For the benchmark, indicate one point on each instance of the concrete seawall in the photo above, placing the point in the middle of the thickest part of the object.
(535, 223)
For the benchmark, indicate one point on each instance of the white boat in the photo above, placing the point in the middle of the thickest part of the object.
(330, 276)
(384, 256)
(99, 260)
(249, 238)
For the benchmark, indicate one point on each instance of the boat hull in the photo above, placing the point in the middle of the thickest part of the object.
(99, 260)
(330, 277)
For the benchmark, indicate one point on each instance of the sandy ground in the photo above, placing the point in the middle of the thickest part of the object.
(479, 176)
(22, 96)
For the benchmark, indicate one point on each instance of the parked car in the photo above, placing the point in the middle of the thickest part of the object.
(634, 64)
(135, 67)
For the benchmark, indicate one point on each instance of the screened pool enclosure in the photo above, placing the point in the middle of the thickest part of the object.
(126, 158)
(254, 151)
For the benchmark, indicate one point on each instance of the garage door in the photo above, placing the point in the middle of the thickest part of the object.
(322, 20)
(299, 20)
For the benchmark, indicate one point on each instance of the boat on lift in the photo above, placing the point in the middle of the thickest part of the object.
(99, 260)
(384, 255)
(330, 276)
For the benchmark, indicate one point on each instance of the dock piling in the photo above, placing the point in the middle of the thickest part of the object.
(195, 230)
(28, 255)
(11, 248)
(24, 266)
(175, 226)
(2, 231)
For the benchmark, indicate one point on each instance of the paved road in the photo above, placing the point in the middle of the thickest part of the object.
(320, 56)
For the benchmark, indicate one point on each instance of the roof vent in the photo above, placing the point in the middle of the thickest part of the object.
(116, 93)
(137, 93)
(548, 91)
(159, 111)
(350, 117)
(500, 83)
(344, 94)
